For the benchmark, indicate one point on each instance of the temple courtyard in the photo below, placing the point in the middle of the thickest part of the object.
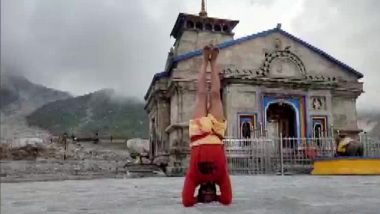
(252, 194)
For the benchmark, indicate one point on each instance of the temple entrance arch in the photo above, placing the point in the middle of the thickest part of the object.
(281, 117)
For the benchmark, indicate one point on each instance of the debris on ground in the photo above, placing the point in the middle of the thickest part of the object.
(34, 159)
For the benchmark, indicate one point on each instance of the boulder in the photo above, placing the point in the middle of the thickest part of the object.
(138, 145)
(24, 142)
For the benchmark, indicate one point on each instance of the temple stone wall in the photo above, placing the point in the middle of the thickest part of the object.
(344, 112)
(194, 39)
(179, 150)
(188, 69)
(174, 108)
(239, 98)
(153, 129)
(173, 136)
(188, 105)
(324, 96)
(314, 63)
(181, 106)
(163, 121)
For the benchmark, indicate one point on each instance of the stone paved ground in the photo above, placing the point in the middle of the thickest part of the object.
(252, 194)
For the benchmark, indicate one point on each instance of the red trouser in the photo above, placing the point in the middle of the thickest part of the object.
(215, 172)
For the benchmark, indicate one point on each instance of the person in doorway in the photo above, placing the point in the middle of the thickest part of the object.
(206, 129)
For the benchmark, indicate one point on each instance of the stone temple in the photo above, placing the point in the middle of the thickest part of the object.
(271, 80)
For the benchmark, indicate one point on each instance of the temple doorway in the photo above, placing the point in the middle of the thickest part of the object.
(281, 119)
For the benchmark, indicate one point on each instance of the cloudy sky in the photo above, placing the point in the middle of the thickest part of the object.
(81, 46)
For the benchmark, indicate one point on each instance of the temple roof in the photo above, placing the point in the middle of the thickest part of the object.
(182, 17)
(265, 33)
(233, 42)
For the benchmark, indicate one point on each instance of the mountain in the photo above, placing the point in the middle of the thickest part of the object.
(18, 93)
(18, 98)
(7, 97)
(102, 111)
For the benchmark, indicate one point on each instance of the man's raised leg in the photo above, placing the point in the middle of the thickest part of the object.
(200, 108)
(216, 106)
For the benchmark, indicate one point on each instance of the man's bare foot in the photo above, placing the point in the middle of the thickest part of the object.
(214, 55)
(207, 53)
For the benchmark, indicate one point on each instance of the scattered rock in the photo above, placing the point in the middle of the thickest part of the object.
(138, 145)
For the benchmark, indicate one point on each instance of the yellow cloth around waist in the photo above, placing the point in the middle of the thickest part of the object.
(206, 130)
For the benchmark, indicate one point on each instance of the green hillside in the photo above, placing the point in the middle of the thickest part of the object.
(100, 111)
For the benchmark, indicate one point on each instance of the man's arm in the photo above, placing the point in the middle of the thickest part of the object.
(189, 186)
(225, 190)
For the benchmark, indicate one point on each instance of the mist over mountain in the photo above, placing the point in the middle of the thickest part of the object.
(102, 111)
(32, 110)
(17, 93)
(369, 121)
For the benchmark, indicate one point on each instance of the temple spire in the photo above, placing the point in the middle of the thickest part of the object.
(203, 12)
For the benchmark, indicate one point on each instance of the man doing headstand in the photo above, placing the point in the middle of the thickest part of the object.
(206, 129)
